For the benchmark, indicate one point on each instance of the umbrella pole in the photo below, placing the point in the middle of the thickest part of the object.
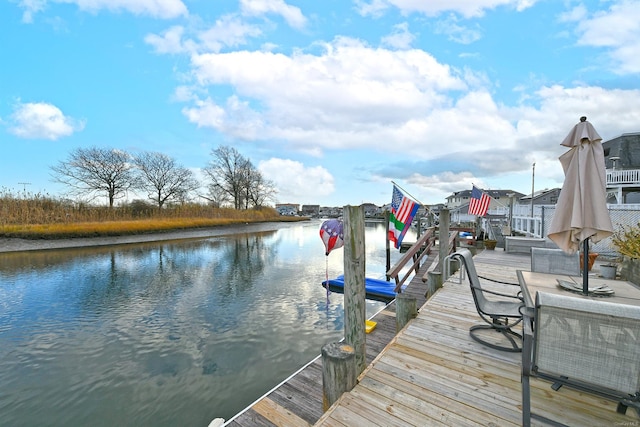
(585, 266)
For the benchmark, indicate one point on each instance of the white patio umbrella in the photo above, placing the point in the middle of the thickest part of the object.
(581, 212)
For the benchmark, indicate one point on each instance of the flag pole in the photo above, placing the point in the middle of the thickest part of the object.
(387, 246)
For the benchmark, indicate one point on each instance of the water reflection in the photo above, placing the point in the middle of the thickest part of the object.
(171, 333)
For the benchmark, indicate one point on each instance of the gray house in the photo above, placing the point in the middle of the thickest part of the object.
(622, 160)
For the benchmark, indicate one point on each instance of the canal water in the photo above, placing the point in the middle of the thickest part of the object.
(171, 333)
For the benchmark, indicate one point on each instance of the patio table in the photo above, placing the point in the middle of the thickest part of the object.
(532, 282)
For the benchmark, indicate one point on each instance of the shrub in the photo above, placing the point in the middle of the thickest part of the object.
(627, 240)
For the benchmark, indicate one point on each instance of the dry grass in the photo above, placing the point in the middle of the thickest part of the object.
(43, 217)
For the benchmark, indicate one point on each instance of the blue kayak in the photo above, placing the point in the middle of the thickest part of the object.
(375, 289)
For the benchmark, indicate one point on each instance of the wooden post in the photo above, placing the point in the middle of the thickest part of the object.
(338, 372)
(443, 244)
(434, 282)
(406, 309)
(354, 279)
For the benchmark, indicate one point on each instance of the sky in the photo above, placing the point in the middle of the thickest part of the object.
(332, 100)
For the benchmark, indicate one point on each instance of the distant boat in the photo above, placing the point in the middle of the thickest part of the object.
(375, 289)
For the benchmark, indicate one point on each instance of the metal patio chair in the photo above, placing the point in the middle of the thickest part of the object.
(589, 345)
(499, 310)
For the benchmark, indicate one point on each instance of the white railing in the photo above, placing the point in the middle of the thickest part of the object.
(623, 177)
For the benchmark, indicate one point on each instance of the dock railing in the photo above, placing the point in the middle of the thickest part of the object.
(415, 253)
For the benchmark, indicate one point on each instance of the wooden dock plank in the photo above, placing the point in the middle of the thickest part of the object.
(433, 405)
(303, 395)
(277, 414)
(421, 401)
(432, 372)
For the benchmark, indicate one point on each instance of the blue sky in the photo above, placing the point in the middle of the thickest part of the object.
(330, 100)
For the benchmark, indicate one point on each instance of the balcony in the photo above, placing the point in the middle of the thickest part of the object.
(623, 177)
(621, 183)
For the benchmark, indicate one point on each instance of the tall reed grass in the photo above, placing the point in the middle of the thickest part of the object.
(29, 215)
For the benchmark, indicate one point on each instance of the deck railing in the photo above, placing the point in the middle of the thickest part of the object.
(623, 177)
(417, 252)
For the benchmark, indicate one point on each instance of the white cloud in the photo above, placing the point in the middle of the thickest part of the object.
(374, 8)
(163, 9)
(292, 14)
(228, 31)
(31, 7)
(618, 30)
(466, 8)
(401, 38)
(341, 97)
(456, 32)
(575, 14)
(42, 121)
(170, 42)
(447, 182)
(235, 118)
(342, 100)
(296, 181)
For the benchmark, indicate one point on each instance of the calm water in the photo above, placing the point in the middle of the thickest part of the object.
(165, 334)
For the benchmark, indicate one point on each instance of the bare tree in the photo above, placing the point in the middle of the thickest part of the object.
(163, 179)
(234, 178)
(227, 172)
(216, 196)
(89, 171)
(259, 190)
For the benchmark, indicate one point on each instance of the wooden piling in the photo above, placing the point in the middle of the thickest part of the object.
(354, 283)
(338, 372)
(434, 282)
(406, 309)
(443, 238)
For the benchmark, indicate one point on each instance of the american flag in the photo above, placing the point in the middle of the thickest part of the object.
(403, 209)
(479, 204)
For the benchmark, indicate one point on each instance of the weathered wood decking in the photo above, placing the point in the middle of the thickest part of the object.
(298, 401)
(432, 373)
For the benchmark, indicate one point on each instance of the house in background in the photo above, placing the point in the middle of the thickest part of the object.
(499, 198)
(371, 210)
(311, 210)
(622, 160)
(287, 208)
(458, 203)
(541, 197)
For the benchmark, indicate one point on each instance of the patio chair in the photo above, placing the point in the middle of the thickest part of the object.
(589, 345)
(499, 310)
(547, 260)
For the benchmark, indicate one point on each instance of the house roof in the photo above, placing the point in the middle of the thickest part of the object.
(491, 193)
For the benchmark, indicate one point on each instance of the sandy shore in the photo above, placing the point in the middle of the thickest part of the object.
(19, 245)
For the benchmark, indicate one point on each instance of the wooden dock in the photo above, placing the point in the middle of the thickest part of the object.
(298, 400)
(432, 373)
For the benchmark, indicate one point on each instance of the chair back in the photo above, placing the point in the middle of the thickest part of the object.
(594, 344)
(465, 257)
(547, 260)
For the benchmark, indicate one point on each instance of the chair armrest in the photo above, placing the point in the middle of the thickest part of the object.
(518, 296)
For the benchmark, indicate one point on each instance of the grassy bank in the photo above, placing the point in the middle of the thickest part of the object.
(39, 216)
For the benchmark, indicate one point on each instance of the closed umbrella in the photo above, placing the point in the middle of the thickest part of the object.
(581, 212)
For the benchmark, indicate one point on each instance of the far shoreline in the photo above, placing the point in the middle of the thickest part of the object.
(16, 244)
